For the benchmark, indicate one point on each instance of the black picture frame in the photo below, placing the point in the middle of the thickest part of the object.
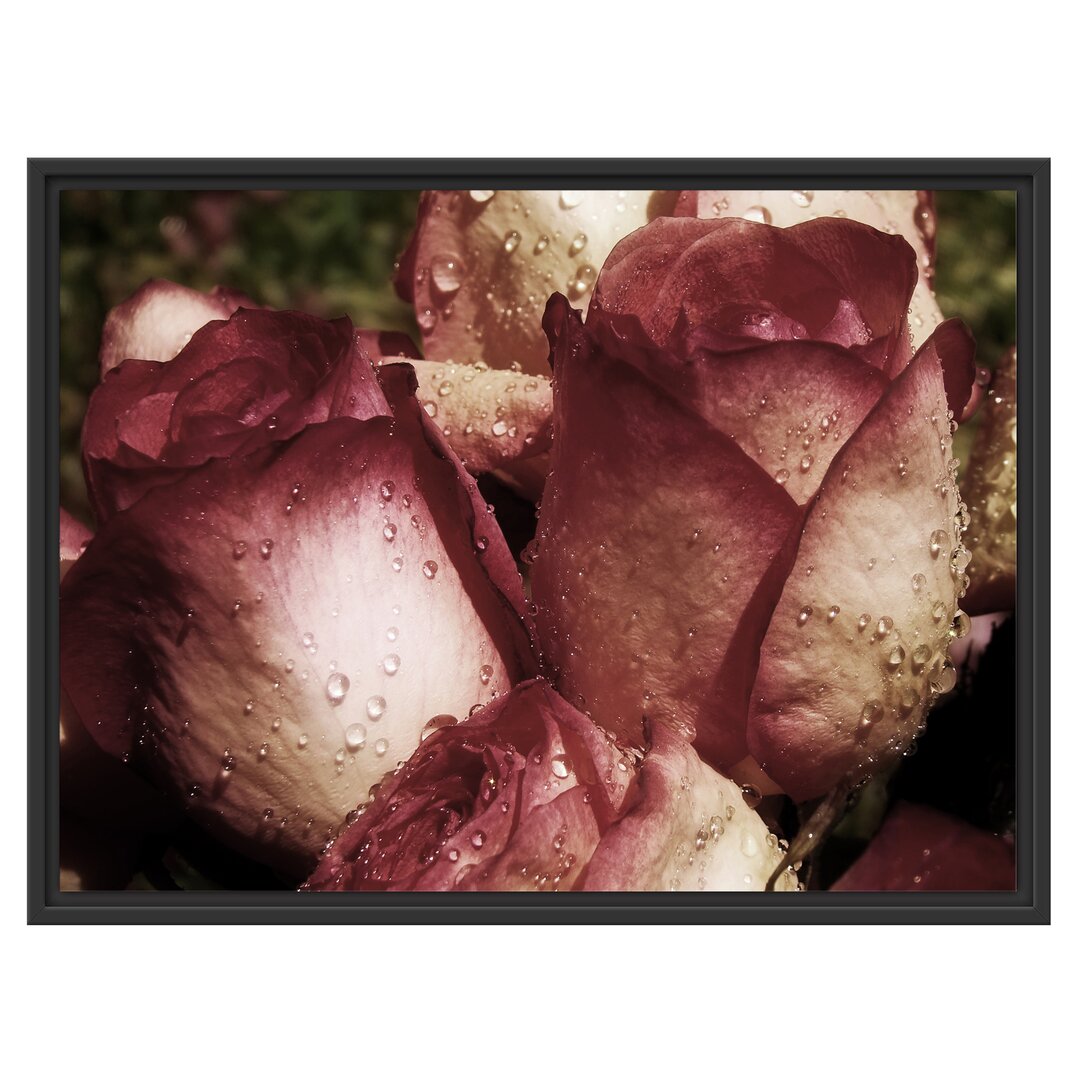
(1029, 178)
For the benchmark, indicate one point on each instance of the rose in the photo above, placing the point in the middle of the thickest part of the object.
(920, 849)
(529, 794)
(752, 519)
(280, 607)
(481, 265)
(238, 385)
(493, 419)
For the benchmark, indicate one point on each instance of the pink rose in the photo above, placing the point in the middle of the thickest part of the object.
(529, 794)
(752, 522)
(919, 849)
(293, 575)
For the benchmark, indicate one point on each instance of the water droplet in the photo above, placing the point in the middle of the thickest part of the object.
(381, 746)
(397, 563)
(302, 741)
(389, 532)
(430, 569)
(290, 665)
(758, 213)
(511, 241)
(896, 657)
(902, 466)
(577, 245)
(806, 462)
(884, 625)
(921, 655)
(909, 698)
(802, 198)
(386, 490)
(864, 621)
(426, 320)
(539, 248)
(782, 476)
(961, 626)
(832, 613)
(481, 196)
(486, 673)
(748, 845)
(355, 737)
(337, 686)
(436, 723)
(391, 663)
(447, 274)
(751, 796)
(228, 762)
(375, 707)
(266, 547)
(582, 281)
(569, 199)
(939, 540)
(560, 766)
(339, 757)
(239, 549)
(445, 387)
(804, 615)
(871, 713)
(939, 611)
(500, 427)
(249, 707)
(944, 681)
(918, 582)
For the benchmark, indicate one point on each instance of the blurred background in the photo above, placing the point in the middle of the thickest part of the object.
(332, 253)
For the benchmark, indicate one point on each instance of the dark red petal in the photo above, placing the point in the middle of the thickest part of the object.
(923, 850)
(838, 690)
(211, 618)
(908, 213)
(655, 532)
(790, 405)
(158, 319)
(239, 385)
(481, 266)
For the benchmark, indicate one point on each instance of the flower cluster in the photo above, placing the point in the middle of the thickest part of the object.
(299, 619)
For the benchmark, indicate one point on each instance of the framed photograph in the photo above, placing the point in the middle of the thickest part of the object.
(602, 541)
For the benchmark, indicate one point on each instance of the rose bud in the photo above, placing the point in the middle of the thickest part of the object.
(910, 214)
(752, 520)
(919, 849)
(529, 795)
(237, 386)
(158, 319)
(990, 493)
(266, 633)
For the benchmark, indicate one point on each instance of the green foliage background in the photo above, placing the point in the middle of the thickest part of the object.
(332, 253)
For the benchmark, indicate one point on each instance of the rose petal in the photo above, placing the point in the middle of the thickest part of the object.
(790, 405)
(909, 213)
(838, 689)
(514, 798)
(158, 319)
(215, 617)
(923, 850)
(689, 829)
(492, 419)
(481, 266)
(258, 378)
(990, 493)
(655, 532)
(74, 536)
(731, 276)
